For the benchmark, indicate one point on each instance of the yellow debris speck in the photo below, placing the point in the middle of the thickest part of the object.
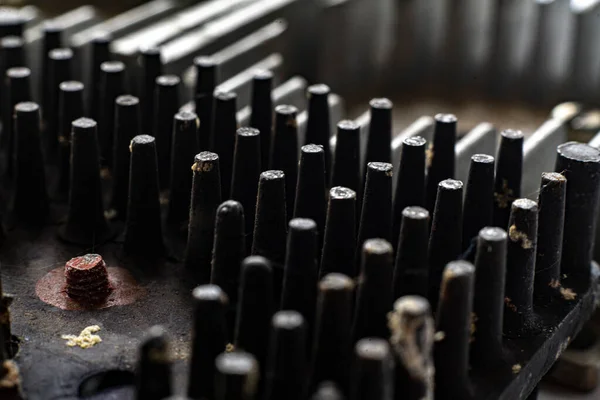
(86, 338)
(229, 348)
(516, 368)
(516, 236)
(568, 293)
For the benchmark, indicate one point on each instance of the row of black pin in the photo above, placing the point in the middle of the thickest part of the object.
(424, 262)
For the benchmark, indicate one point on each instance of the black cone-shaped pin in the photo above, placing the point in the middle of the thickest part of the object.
(270, 226)
(520, 269)
(332, 341)
(255, 309)
(376, 215)
(327, 391)
(152, 68)
(580, 164)
(301, 272)
(206, 80)
(237, 376)
(287, 364)
(85, 224)
(318, 125)
(30, 199)
(51, 39)
(490, 264)
(246, 174)
(209, 337)
(311, 194)
(346, 169)
(100, 53)
(61, 61)
(223, 136)
(509, 166)
(185, 147)
(12, 53)
(127, 126)
(411, 267)
(551, 220)
(153, 375)
(445, 237)
(18, 91)
(166, 105)
(206, 197)
(228, 252)
(284, 151)
(339, 243)
(412, 332)
(410, 183)
(373, 375)
(112, 85)
(143, 235)
(479, 198)
(374, 293)
(70, 108)
(262, 112)
(379, 138)
(440, 157)
(453, 318)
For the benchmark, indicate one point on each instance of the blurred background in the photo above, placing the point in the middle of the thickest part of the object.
(513, 63)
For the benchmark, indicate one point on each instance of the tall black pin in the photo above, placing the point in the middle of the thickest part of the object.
(70, 108)
(509, 166)
(318, 125)
(445, 237)
(86, 224)
(185, 147)
(143, 231)
(166, 105)
(339, 244)
(440, 157)
(223, 136)
(262, 112)
(127, 126)
(112, 85)
(206, 197)
(479, 198)
(153, 375)
(284, 151)
(30, 199)
(410, 183)
(209, 337)
(246, 174)
(206, 80)
(411, 266)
